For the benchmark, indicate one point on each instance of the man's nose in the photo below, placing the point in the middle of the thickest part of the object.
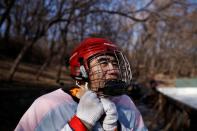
(112, 69)
(110, 65)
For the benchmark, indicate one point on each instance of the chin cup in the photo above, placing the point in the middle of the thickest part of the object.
(115, 88)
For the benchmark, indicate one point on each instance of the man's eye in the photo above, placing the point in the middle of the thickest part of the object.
(115, 63)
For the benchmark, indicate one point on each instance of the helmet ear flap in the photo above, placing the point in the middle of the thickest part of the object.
(83, 71)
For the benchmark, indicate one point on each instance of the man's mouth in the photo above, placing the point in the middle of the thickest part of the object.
(112, 76)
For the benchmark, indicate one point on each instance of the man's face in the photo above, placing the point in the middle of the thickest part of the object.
(102, 69)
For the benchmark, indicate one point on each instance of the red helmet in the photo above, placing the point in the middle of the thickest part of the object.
(91, 48)
(88, 48)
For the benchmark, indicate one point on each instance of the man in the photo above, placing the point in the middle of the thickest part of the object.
(103, 76)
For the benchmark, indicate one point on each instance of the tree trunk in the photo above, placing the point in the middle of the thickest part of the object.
(47, 62)
(7, 11)
(65, 39)
(58, 78)
(18, 59)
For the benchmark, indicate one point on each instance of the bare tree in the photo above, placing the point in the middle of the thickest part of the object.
(149, 35)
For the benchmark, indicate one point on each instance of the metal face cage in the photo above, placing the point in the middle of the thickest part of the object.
(108, 67)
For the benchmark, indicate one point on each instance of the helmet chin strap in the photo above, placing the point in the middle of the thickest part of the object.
(83, 71)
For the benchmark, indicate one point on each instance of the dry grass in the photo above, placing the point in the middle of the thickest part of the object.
(26, 73)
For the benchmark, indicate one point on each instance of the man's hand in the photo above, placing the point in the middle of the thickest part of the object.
(89, 109)
(110, 120)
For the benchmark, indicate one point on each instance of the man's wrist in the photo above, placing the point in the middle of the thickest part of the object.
(88, 126)
(76, 124)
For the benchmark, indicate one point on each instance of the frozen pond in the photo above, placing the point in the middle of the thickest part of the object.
(186, 95)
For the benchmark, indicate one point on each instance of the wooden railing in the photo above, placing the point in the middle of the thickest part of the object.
(177, 108)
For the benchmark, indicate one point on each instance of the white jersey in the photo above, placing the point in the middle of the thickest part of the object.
(53, 111)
